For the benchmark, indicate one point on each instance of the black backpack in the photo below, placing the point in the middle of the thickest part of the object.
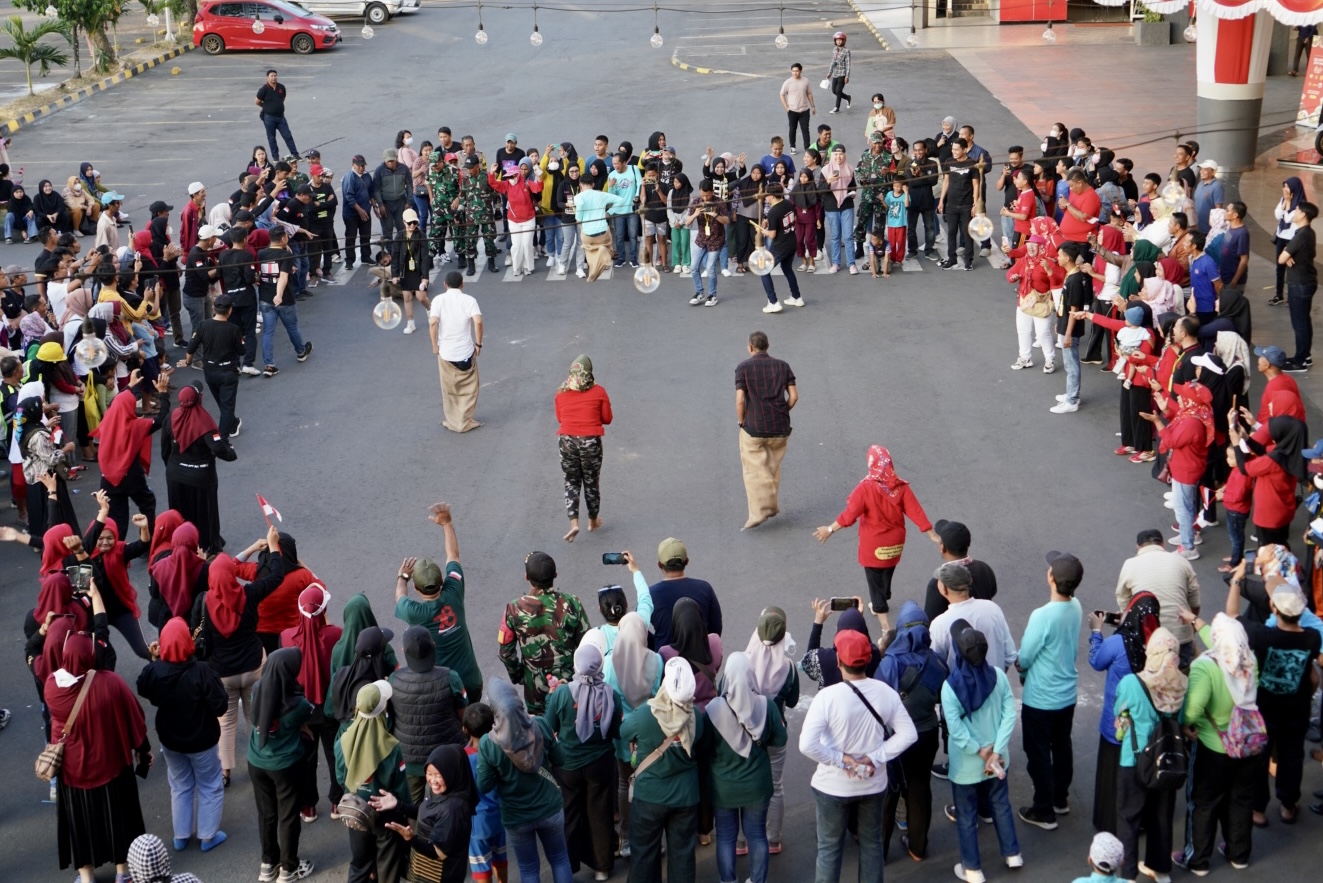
(1164, 762)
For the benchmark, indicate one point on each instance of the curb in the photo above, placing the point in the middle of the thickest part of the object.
(64, 101)
(676, 62)
(868, 24)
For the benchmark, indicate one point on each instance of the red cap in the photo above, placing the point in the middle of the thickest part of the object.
(853, 648)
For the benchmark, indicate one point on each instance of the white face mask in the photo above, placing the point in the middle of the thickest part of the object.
(408, 140)
(877, 105)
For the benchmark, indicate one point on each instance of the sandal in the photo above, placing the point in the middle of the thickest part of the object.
(1289, 814)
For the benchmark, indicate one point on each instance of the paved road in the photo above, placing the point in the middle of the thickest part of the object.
(349, 447)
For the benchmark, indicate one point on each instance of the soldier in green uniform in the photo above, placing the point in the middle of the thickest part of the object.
(873, 177)
(442, 180)
(296, 178)
(540, 632)
(474, 217)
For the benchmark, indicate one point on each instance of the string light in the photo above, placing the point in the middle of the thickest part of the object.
(153, 20)
(258, 27)
(781, 41)
(481, 36)
(980, 227)
(761, 261)
(387, 315)
(647, 279)
(536, 37)
(52, 11)
(656, 41)
(1191, 33)
(913, 39)
(368, 33)
(1049, 36)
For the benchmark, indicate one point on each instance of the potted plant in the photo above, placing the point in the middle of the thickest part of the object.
(1152, 29)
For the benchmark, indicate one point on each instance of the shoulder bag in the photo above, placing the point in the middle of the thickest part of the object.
(52, 756)
(895, 773)
(647, 762)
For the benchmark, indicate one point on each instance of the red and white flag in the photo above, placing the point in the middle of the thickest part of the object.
(268, 510)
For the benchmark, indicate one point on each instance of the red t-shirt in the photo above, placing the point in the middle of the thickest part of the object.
(881, 520)
(1025, 204)
(280, 609)
(1236, 494)
(1185, 439)
(1274, 493)
(583, 413)
(1072, 228)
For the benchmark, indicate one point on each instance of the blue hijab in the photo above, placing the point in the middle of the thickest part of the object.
(911, 648)
(972, 680)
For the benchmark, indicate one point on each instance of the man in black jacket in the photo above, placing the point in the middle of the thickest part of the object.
(238, 278)
(392, 187)
(222, 344)
(428, 705)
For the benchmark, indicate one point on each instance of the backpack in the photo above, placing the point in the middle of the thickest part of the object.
(1163, 763)
(1246, 734)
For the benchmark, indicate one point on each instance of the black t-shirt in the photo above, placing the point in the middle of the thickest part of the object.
(271, 262)
(1130, 189)
(45, 263)
(293, 213)
(668, 591)
(983, 585)
(1284, 661)
(781, 218)
(273, 100)
(654, 204)
(196, 280)
(237, 276)
(960, 176)
(923, 176)
(1186, 176)
(1076, 294)
(1008, 191)
(1301, 248)
(221, 341)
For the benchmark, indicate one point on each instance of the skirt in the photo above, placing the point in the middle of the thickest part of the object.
(96, 825)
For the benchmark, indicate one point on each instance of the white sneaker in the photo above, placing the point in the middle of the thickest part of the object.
(1021, 364)
(675, 269)
(1198, 540)
(773, 307)
(795, 301)
(685, 269)
(1157, 877)
(984, 252)
(834, 269)
(969, 876)
(1062, 397)
(725, 271)
(409, 327)
(560, 269)
(1015, 861)
(1168, 504)
(250, 370)
(1064, 408)
(696, 300)
(580, 273)
(1187, 554)
(1050, 368)
(854, 271)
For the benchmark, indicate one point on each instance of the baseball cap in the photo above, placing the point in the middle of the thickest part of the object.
(196, 187)
(539, 567)
(1314, 453)
(471, 162)
(772, 625)
(206, 231)
(242, 216)
(389, 153)
(160, 206)
(955, 536)
(1106, 852)
(877, 137)
(1207, 361)
(1287, 598)
(293, 159)
(852, 648)
(1209, 164)
(671, 549)
(327, 173)
(111, 196)
(1065, 567)
(510, 136)
(304, 190)
(954, 576)
(409, 216)
(357, 160)
(313, 154)
(970, 643)
(1274, 354)
(13, 270)
(315, 170)
(223, 302)
(668, 149)
(426, 574)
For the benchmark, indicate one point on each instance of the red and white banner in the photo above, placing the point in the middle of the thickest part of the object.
(1311, 95)
(1291, 12)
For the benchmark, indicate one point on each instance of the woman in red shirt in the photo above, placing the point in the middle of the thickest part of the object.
(1275, 475)
(1185, 441)
(880, 503)
(1133, 334)
(583, 409)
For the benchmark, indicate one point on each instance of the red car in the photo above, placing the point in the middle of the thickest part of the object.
(226, 24)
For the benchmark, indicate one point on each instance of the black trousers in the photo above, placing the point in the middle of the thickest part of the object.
(648, 822)
(224, 386)
(957, 233)
(1141, 809)
(246, 319)
(323, 248)
(1049, 756)
(1221, 794)
(929, 218)
(917, 762)
(590, 798)
(360, 229)
(1105, 787)
(1302, 46)
(1098, 342)
(133, 487)
(1286, 744)
(1136, 432)
(277, 795)
(838, 89)
(325, 730)
(799, 119)
(378, 855)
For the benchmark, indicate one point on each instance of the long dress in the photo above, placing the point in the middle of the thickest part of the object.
(191, 483)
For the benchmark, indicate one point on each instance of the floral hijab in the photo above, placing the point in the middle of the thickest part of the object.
(581, 376)
(881, 470)
(1197, 402)
(1231, 651)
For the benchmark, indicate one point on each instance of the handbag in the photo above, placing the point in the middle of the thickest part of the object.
(52, 756)
(1036, 305)
(356, 813)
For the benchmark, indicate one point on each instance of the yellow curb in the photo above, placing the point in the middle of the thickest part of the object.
(676, 62)
(32, 116)
(868, 24)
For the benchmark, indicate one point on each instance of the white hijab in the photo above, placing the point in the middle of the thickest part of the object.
(740, 712)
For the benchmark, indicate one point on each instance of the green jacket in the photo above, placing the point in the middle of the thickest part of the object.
(389, 775)
(560, 715)
(525, 797)
(284, 748)
(672, 780)
(742, 781)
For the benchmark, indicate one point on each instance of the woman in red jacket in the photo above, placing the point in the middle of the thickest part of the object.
(519, 190)
(1185, 441)
(1275, 474)
(583, 409)
(880, 503)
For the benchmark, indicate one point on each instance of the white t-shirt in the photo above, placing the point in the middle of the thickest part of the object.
(56, 294)
(454, 310)
(983, 615)
(838, 722)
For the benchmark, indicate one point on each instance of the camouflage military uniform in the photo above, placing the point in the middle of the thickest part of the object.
(474, 216)
(873, 176)
(296, 180)
(538, 637)
(444, 184)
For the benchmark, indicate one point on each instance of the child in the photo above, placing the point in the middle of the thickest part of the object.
(1235, 496)
(808, 219)
(487, 843)
(1105, 855)
(897, 202)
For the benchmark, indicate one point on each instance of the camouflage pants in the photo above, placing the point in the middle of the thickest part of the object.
(864, 213)
(581, 461)
(467, 233)
(437, 230)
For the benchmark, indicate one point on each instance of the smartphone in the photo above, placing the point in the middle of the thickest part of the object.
(613, 557)
(80, 576)
(1112, 618)
(839, 604)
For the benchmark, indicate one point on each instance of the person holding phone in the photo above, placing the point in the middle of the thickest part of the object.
(583, 410)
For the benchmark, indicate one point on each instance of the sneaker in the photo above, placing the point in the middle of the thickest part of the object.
(711, 301)
(308, 815)
(793, 151)
(984, 252)
(696, 300)
(266, 873)
(795, 301)
(618, 264)
(303, 870)
(409, 327)
(725, 271)
(249, 370)
(601, 875)
(774, 307)
(4, 718)
(834, 269)
(1187, 554)
(1063, 397)
(675, 269)
(1198, 540)
(774, 847)
(949, 811)
(847, 104)
(216, 840)
(238, 424)
(833, 110)
(1050, 368)
(634, 264)
(854, 271)
(1179, 860)
(307, 350)
(941, 770)
(1021, 364)
(1157, 877)
(1062, 810)
(335, 813)
(1275, 301)
(946, 264)
(1293, 367)
(968, 268)
(1143, 457)
(560, 269)
(1038, 820)
(270, 371)
(1065, 407)
(1201, 522)
(971, 876)
(931, 255)
(580, 273)
(1015, 861)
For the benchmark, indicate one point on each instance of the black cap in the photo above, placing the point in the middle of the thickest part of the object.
(241, 215)
(471, 162)
(314, 154)
(539, 567)
(955, 536)
(304, 190)
(160, 206)
(1066, 568)
(970, 643)
(358, 160)
(223, 302)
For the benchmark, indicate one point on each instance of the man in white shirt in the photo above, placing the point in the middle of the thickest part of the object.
(455, 323)
(1172, 581)
(845, 733)
(954, 581)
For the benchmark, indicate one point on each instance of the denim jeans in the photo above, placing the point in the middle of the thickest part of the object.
(754, 820)
(197, 776)
(9, 226)
(289, 317)
(523, 842)
(704, 263)
(553, 233)
(1300, 301)
(928, 217)
(423, 206)
(1070, 356)
(833, 814)
(1236, 533)
(625, 229)
(569, 247)
(966, 799)
(840, 226)
(1184, 500)
(199, 310)
(787, 266)
(300, 277)
(1008, 230)
(273, 125)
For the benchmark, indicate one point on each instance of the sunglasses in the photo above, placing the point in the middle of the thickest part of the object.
(411, 223)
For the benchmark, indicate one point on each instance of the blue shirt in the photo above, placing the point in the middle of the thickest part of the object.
(1235, 243)
(590, 207)
(1203, 273)
(626, 186)
(769, 162)
(1131, 699)
(1047, 655)
(896, 213)
(992, 724)
(1108, 654)
(1207, 196)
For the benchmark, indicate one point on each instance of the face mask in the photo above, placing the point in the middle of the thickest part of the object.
(552, 165)
(877, 105)
(408, 141)
(1044, 145)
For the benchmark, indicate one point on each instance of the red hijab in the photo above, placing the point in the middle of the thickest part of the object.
(225, 597)
(110, 724)
(190, 421)
(176, 573)
(117, 572)
(52, 651)
(57, 596)
(125, 437)
(176, 641)
(1197, 402)
(53, 550)
(1111, 239)
(166, 524)
(1173, 272)
(882, 471)
(315, 639)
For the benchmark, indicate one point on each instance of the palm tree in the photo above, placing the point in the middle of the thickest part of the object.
(28, 48)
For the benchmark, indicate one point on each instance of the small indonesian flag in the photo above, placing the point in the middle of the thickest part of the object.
(268, 510)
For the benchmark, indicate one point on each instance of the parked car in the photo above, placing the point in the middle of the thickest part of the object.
(377, 12)
(226, 24)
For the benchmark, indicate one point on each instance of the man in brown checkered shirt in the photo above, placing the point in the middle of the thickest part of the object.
(764, 394)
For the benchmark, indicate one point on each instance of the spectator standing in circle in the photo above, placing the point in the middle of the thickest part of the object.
(369, 761)
(271, 98)
(427, 704)
(771, 653)
(583, 410)
(540, 631)
(1301, 283)
(765, 393)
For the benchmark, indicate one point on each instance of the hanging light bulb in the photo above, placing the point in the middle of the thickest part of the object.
(258, 27)
(481, 36)
(387, 314)
(656, 40)
(980, 228)
(90, 352)
(367, 32)
(52, 11)
(153, 20)
(1049, 36)
(1174, 192)
(761, 261)
(1191, 33)
(536, 37)
(912, 40)
(647, 279)
(781, 41)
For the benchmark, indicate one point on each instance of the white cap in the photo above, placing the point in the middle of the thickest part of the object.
(206, 231)
(196, 187)
(1209, 164)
